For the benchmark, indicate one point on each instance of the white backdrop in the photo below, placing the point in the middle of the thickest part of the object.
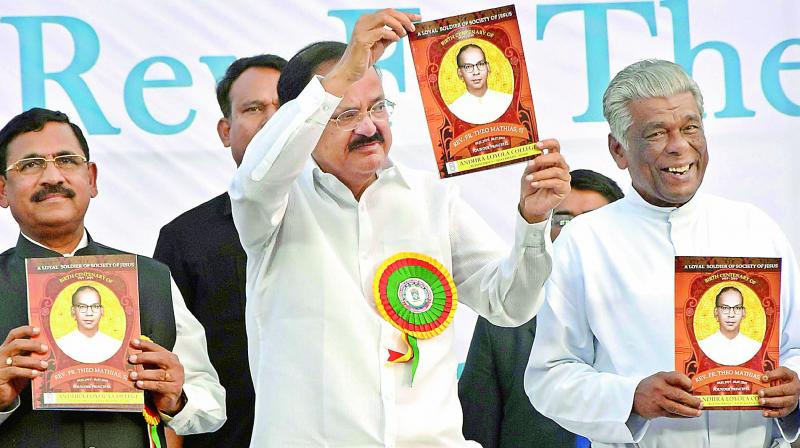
(137, 77)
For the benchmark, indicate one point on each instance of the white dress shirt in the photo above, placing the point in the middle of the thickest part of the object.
(729, 352)
(205, 404)
(608, 321)
(88, 349)
(481, 109)
(317, 345)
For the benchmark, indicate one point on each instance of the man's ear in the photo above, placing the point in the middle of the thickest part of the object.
(3, 197)
(224, 131)
(92, 179)
(617, 152)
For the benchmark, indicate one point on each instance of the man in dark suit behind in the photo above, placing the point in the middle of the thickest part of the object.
(497, 412)
(202, 249)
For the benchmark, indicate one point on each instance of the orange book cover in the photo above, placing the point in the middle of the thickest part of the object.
(475, 90)
(88, 310)
(727, 322)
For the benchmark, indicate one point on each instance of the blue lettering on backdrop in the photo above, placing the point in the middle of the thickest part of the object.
(134, 94)
(685, 56)
(595, 18)
(393, 64)
(217, 65)
(771, 78)
(33, 76)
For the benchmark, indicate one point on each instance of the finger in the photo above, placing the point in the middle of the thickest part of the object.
(407, 19)
(395, 24)
(153, 375)
(557, 186)
(777, 413)
(549, 173)
(146, 346)
(25, 362)
(679, 395)
(781, 390)
(23, 346)
(25, 331)
(162, 359)
(779, 374)
(161, 387)
(404, 19)
(551, 145)
(679, 380)
(550, 160)
(18, 372)
(674, 409)
(787, 401)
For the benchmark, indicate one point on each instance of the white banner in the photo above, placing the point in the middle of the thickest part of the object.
(139, 78)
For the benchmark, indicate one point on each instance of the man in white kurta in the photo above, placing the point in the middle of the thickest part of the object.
(602, 363)
(318, 347)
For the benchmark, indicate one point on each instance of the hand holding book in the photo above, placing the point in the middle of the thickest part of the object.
(371, 35)
(162, 375)
(18, 367)
(545, 183)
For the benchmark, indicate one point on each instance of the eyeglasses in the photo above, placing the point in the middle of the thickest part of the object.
(469, 68)
(737, 310)
(35, 165)
(561, 219)
(84, 308)
(349, 119)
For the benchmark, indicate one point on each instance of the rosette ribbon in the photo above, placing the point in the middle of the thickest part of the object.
(415, 294)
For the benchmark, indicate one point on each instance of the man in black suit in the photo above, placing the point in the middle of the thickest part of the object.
(202, 249)
(497, 412)
(47, 181)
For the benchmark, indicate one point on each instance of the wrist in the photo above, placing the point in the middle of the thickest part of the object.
(179, 405)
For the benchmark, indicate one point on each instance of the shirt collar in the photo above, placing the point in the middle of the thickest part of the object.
(81, 244)
(389, 172)
(633, 198)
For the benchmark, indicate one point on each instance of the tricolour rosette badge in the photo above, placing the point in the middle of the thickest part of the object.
(415, 294)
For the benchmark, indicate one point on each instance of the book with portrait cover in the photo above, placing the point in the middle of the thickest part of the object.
(88, 310)
(727, 318)
(475, 90)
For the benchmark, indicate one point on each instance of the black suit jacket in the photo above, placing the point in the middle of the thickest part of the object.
(497, 411)
(202, 249)
(56, 429)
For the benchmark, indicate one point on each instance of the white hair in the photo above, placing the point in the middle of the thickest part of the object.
(649, 78)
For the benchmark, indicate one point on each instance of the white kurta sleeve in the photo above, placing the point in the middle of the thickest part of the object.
(273, 160)
(505, 287)
(205, 404)
(6, 413)
(560, 378)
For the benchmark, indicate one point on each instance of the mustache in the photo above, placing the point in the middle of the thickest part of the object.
(362, 140)
(40, 195)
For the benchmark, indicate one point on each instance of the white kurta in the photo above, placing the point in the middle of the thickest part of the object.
(481, 109)
(317, 345)
(608, 319)
(729, 352)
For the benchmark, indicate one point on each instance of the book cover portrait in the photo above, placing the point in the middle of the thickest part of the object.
(726, 326)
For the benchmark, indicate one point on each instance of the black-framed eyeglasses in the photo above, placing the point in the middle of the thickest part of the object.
(469, 68)
(562, 219)
(737, 310)
(35, 165)
(84, 308)
(349, 119)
